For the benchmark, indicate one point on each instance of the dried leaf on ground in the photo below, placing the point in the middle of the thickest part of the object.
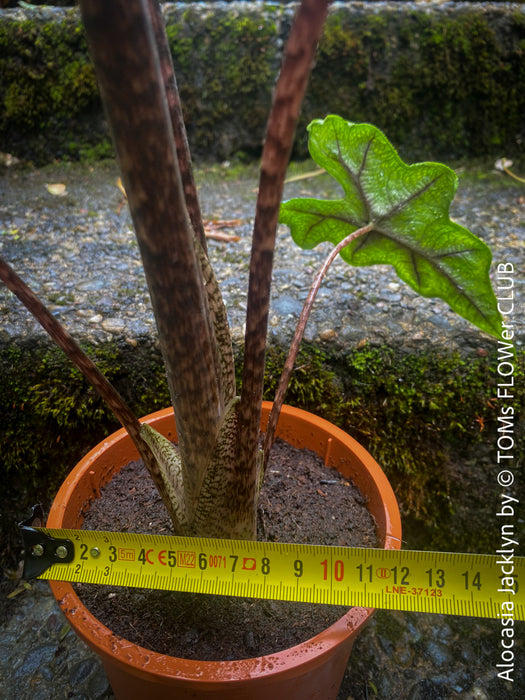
(58, 189)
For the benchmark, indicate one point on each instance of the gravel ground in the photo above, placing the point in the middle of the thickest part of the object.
(399, 655)
(77, 250)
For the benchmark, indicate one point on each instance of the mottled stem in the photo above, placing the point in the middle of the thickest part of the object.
(122, 43)
(177, 122)
(288, 96)
(89, 370)
(298, 337)
(218, 323)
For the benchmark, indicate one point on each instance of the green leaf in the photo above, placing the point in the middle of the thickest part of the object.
(408, 208)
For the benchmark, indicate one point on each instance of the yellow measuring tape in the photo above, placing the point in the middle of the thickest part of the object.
(476, 585)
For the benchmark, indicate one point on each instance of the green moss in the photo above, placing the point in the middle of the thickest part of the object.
(416, 399)
(440, 84)
(389, 627)
(422, 417)
(51, 416)
(314, 385)
(425, 418)
(225, 64)
(51, 105)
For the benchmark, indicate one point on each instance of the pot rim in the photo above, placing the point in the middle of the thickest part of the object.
(66, 512)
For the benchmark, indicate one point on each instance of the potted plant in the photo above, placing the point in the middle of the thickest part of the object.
(391, 213)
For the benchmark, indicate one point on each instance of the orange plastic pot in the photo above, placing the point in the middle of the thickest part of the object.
(311, 670)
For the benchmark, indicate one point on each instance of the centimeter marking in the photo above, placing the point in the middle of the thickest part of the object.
(475, 585)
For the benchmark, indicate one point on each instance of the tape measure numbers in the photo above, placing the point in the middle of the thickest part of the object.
(435, 582)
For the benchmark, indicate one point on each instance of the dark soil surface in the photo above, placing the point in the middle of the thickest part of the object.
(301, 501)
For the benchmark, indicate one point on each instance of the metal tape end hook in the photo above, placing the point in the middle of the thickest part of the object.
(40, 549)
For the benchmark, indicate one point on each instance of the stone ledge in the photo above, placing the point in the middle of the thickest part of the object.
(79, 253)
(442, 79)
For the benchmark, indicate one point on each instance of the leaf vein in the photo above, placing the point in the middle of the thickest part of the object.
(401, 205)
(413, 259)
(356, 177)
(454, 252)
(433, 261)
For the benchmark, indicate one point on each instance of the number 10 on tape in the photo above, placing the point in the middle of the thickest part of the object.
(435, 582)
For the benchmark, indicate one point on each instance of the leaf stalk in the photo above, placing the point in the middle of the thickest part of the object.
(298, 337)
(288, 97)
(89, 370)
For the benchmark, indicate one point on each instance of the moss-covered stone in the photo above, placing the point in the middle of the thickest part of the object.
(430, 421)
(51, 417)
(442, 81)
(50, 103)
(225, 62)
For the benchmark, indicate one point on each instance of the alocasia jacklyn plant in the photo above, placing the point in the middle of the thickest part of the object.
(390, 213)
